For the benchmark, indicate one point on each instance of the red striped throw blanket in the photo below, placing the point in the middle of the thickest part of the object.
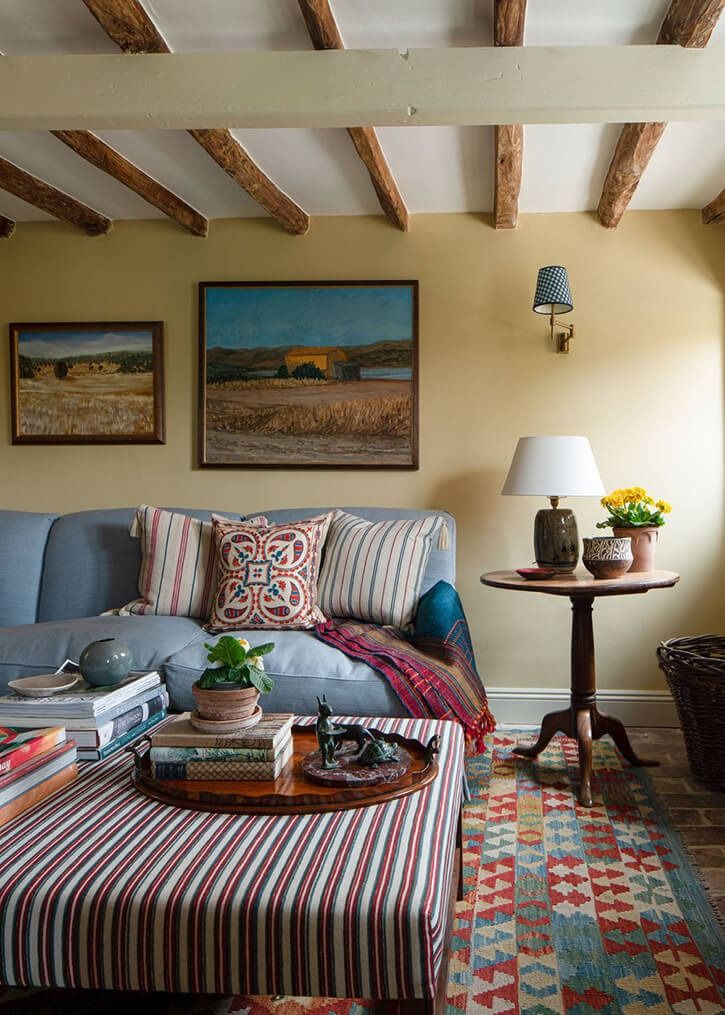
(432, 670)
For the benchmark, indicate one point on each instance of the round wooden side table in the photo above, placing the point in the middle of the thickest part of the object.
(583, 720)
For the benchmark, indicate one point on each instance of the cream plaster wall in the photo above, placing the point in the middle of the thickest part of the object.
(644, 382)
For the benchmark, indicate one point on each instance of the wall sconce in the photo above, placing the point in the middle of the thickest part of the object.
(553, 296)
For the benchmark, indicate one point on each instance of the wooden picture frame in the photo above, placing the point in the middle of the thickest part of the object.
(308, 375)
(87, 383)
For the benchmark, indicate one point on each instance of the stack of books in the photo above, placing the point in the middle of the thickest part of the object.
(101, 720)
(179, 751)
(33, 764)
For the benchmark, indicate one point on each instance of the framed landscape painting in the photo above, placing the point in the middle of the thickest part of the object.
(94, 383)
(308, 374)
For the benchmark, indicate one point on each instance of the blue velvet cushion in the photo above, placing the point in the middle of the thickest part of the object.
(23, 537)
(41, 648)
(302, 668)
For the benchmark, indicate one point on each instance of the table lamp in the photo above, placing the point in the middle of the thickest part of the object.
(554, 467)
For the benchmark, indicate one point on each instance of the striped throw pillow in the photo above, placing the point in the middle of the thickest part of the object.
(178, 566)
(373, 570)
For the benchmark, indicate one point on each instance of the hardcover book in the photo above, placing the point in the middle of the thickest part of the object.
(89, 723)
(41, 791)
(18, 745)
(213, 753)
(224, 770)
(14, 783)
(81, 700)
(271, 731)
(99, 753)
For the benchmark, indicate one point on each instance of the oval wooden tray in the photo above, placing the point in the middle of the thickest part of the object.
(291, 793)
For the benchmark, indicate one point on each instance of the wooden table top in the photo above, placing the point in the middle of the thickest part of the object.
(583, 584)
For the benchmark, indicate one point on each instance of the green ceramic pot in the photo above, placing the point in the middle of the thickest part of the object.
(106, 661)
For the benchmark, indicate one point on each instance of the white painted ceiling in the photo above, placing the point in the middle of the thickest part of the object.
(438, 169)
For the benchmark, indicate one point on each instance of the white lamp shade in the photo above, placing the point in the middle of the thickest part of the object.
(553, 467)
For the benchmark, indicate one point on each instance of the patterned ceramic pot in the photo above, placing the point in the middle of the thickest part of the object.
(644, 545)
(106, 661)
(607, 556)
(225, 702)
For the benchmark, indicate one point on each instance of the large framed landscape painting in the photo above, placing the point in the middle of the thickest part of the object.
(308, 374)
(95, 383)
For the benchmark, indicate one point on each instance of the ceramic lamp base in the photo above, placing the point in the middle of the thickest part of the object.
(556, 539)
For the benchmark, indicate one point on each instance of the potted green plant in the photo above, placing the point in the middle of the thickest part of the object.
(633, 513)
(230, 687)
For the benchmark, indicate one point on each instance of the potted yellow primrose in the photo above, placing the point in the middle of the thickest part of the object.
(227, 693)
(633, 513)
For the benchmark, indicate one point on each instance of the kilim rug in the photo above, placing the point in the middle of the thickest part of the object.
(568, 909)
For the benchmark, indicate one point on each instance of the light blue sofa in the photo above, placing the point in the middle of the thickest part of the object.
(59, 573)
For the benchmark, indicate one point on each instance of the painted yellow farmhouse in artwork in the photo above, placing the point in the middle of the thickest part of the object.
(324, 357)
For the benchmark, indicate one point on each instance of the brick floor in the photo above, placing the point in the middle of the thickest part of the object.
(698, 813)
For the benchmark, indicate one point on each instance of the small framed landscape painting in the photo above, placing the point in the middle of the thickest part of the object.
(87, 383)
(308, 374)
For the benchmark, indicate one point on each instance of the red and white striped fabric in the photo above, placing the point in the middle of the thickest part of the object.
(102, 887)
(177, 576)
(373, 570)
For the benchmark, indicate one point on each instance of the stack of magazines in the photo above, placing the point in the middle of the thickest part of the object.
(33, 764)
(179, 751)
(101, 720)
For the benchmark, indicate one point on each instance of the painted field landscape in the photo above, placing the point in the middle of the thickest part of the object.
(309, 375)
(91, 384)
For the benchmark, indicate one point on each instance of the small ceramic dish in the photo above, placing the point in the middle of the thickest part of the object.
(531, 574)
(44, 684)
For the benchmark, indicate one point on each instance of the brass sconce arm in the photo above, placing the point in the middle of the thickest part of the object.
(562, 339)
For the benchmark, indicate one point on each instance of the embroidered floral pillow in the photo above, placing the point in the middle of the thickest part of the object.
(267, 574)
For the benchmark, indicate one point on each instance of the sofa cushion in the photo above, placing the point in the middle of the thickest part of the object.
(302, 668)
(442, 559)
(373, 570)
(23, 536)
(267, 574)
(42, 648)
(92, 563)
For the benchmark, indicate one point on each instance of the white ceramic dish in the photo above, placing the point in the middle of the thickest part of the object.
(44, 684)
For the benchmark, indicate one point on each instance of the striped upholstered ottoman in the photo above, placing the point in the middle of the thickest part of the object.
(103, 887)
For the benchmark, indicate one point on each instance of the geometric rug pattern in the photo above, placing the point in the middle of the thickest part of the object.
(568, 910)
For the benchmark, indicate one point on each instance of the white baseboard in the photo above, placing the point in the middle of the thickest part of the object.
(526, 706)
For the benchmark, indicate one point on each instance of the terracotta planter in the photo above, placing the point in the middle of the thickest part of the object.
(644, 545)
(224, 703)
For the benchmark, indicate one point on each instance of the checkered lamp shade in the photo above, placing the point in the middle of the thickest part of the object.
(553, 295)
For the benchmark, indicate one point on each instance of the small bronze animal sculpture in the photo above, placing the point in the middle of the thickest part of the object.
(332, 735)
(377, 752)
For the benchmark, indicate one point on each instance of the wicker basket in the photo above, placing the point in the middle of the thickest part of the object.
(695, 671)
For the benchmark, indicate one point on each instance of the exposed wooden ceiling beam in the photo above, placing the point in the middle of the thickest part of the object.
(418, 87)
(325, 34)
(51, 200)
(128, 24)
(7, 227)
(233, 158)
(688, 23)
(108, 160)
(509, 20)
(715, 210)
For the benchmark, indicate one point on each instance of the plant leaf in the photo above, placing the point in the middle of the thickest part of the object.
(261, 650)
(259, 679)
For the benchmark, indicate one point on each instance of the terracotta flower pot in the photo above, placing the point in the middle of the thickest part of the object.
(644, 545)
(223, 703)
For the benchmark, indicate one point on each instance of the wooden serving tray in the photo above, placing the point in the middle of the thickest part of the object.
(291, 793)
